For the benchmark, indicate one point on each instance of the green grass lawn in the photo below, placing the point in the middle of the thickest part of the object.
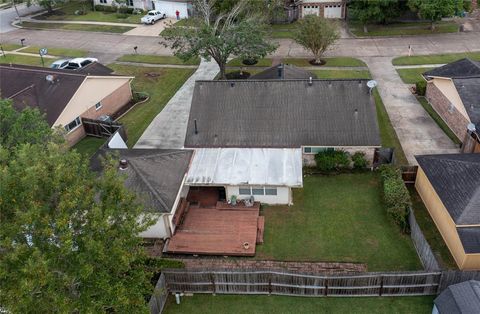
(428, 108)
(237, 62)
(89, 145)
(330, 62)
(67, 13)
(61, 52)
(430, 231)
(257, 304)
(412, 76)
(337, 218)
(398, 29)
(282, 30)
(153, 59)
(435, 59)
(342, 74)
(78, 27)
(387, 132)
(10, 47)
(28, 60)
(160, 83)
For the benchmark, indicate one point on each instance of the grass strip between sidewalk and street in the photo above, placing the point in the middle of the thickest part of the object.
(61, 52)
(342, 74)
(27, 60)
(401, 29)
(77, 27)
(10, 47)
(329, 62)
(154, 59)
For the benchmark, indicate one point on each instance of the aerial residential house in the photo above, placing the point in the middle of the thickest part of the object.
(252, 137)
(283, 71)
(168, 7)
(461, 298)
(331, 9)
(66, 96)
(449, 186)
(453, 91)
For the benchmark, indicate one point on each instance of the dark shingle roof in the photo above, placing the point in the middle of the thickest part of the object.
(282, 114)
(283, 71)
(456, 180)
(470, 237)
(27, 86)
(156, 175)
(461, 298)
(96, 68)
(461, 68)
(469, 91)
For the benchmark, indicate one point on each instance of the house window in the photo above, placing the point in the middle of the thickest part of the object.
(244, 191)
(314, 150)
(98, 105)
(258, 191)
(103, 1)
(270, 191)
(130, 3)
(73, 125)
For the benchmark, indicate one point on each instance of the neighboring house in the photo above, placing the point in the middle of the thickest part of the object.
(283, 71)
(449, 186)
(66, 96)
(453, 91)
(157, 177)
(461, 298)
(169, 7)
(253, 136)
(332, 9)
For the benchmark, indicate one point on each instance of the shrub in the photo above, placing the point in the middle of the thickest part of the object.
(359, 160)
(396, 196)
(139, 96)
(467, 5)
(125, 10)
(421, 88)
(105, 8)
(331, 160)
(99, 7)
(121, 15)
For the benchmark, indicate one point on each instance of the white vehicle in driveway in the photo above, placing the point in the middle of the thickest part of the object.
(78, 63)
(60, 64)
(152, 17)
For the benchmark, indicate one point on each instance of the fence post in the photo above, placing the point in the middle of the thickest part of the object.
(381, 286)
(325, 292)
(212, 279)
(269, 283)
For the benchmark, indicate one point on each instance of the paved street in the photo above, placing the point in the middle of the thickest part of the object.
(7, 16)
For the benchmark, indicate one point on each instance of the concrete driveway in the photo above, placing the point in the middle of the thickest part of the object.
(150, 30)
(169, 127)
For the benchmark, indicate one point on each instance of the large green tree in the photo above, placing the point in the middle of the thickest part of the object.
(49, 5)
(374, 11)
(434, 10)
(316, 34)
(219, 36)
(68, 238)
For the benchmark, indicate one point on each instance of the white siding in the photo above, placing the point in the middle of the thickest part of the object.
(283, 196)
(159, 230)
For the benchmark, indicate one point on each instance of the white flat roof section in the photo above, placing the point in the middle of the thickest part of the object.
(246, 166)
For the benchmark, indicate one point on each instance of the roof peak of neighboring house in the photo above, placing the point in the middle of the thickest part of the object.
(283, 71)
(92, 69)
(456, 180)
(463, 68)
(463, 297)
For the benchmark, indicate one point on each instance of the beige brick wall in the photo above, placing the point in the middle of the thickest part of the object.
(110, 104)
(452, 117)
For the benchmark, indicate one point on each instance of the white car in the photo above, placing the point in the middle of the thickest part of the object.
(60, 64)
(152, 17)
(78, 63)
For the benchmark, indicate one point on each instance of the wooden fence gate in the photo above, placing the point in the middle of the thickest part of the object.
(99, 128)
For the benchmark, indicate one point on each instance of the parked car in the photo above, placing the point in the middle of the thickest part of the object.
(153, 16)
(78, 63)
(60, 64)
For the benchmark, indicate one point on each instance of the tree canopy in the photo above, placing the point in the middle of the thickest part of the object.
(434, 10)
(368, 11)
(68, 237)
(46, 4)
(316, 34)
(219, 36)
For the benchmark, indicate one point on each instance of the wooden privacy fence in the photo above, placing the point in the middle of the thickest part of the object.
(409, 173)
(102, 128)
(422, 247)
(292, 284)
(159, 296)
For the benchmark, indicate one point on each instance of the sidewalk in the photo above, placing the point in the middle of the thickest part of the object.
(169, 127)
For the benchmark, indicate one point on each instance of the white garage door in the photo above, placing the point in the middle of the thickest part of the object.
(310, 9)
(333, 11)
(170, 7)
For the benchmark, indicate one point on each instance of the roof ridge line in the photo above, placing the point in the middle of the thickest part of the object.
(444, 157)
(41, 70)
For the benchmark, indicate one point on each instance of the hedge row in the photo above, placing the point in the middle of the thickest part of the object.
(338, 159)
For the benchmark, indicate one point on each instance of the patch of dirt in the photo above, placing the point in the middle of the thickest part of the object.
(312, 62)
(47, 15)
(152, 74)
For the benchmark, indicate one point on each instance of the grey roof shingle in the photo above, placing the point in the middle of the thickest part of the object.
(283, 71)
(469, 91)
(156, 175)
(456, 180)
(461, 298)
(470, 237)
(461, 68)
(282, 114)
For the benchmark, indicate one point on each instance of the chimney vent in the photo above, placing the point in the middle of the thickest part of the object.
(195, 125)
(123, 164)
(232, 84)
(356, 114)
(280, 71)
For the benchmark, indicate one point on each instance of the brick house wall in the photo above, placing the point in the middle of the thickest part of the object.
(452, 117)
(110, 105)
(309, 159)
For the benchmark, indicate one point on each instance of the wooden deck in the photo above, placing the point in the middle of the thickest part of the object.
(217, 231)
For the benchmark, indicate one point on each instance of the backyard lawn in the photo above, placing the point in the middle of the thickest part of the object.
(154, 59)
(330, 62)
(28, 60)
(430, 231)
(249, 304)
(67, 12)
(61, 52)
(412, 76)
(89, 145)
(337, 218)
(160, 83)
(398, 29)
(78, 27)
(435, 59)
